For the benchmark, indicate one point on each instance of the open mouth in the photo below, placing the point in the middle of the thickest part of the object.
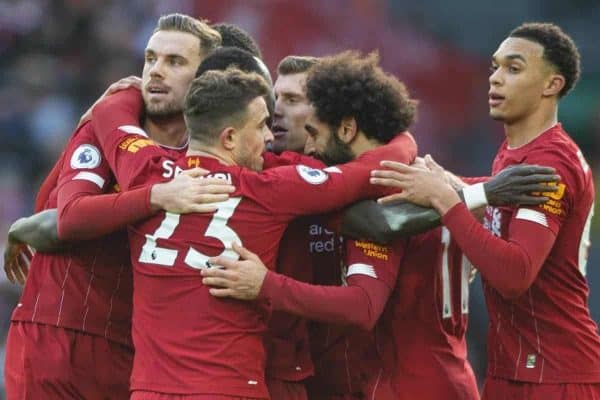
(278, 131)
(157, 89)
(495, 99)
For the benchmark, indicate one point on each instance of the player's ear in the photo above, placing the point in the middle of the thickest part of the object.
(347, 130)
(228, 138)
(554, 85)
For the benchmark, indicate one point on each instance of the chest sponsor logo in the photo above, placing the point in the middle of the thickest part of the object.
(86, 156)
(321, 239)
(373, 250)
(134, 144)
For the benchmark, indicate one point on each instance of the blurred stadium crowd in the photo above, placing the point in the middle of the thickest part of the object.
(57, 57)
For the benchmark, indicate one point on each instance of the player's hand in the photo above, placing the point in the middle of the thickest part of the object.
(122, 84)
(518, 184)
(17, 258)
(422, 187)
(239, 279)
(190, 192)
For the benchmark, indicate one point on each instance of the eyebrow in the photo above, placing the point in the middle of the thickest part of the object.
(511, 57)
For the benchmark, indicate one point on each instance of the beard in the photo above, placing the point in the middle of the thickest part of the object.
(163, 110)
(335, 152)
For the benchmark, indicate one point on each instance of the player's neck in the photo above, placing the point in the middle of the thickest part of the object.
(521, 132)
(362, 144)
(199, 149)
(168, 132)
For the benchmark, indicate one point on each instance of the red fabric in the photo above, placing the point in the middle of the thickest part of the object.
(502, 389)
(87, 287)
(48, 185)
(525, 252)
(545, 335)
(471, 180)
(77, 203)
(284, 390)
(71, 365)
(146, 395)
(218, 346)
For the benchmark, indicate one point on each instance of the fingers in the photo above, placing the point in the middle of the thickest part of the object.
(526, 169)
(8, 269)
(130, 81)
(214, 187)
(196, 172)
(217, 282)
(392, 198)
(534, 188)
(400, 167)
(216, 292)
(531, 200)
(244, 252)
(419, 163)
(222, 261)
(538, 178)
(394, 183)
(431, 164)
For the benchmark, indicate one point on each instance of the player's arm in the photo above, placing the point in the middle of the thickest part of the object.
(385, 222)
(360, 303)
(39, 231)
(511, 265)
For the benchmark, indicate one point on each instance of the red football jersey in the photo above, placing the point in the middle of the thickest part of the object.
(187, 341)
(88, 286)
(421, 334)
(547, 335)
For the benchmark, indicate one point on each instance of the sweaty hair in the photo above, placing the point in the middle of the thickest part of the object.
(295, 64)
(234, 36)
(218, 99)
(559, 49)
(350, 85)
(210, 39)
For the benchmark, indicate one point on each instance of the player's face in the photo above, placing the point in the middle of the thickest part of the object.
(518, 79)
(252, 138)
(291, 110)
(323, 142)
(171, 60)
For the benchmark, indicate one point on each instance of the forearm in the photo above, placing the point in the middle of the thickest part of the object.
(83, 216)
(38, 231)
(356, 304)
(510, 266)
(382, 224)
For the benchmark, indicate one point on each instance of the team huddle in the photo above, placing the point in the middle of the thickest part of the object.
(209, 234)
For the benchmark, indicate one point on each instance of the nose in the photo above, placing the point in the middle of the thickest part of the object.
(309, 146)
(157, 69)
(277, 109)
(495, 77)
(269, 136)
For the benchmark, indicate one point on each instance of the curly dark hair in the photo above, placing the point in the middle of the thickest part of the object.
(351, 85)
(234, 36)
(559, 49)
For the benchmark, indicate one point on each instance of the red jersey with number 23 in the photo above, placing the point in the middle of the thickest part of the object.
(187, 341)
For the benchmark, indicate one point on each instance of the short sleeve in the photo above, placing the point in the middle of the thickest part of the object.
(374, 260)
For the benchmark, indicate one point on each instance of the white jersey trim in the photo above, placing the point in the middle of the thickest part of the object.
(361, 269)
(528, 214)
(134, 130)
(92, 177)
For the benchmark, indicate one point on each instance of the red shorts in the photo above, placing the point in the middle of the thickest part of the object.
(146, 395)
(502, 389)
(286, 390)
(47, 362)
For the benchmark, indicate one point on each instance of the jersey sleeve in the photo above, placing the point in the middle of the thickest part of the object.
(556, 210)
(272, 160)
(509, 266)
(471, 180)
(126, 145)
(297, 190)
(374, 260)
(84, 211)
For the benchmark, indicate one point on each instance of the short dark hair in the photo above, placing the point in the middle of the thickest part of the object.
(234, 36)
(209, 38)
(296, 64)
(350, 85)
(559, 49)
(226, 57)
(217, 99)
